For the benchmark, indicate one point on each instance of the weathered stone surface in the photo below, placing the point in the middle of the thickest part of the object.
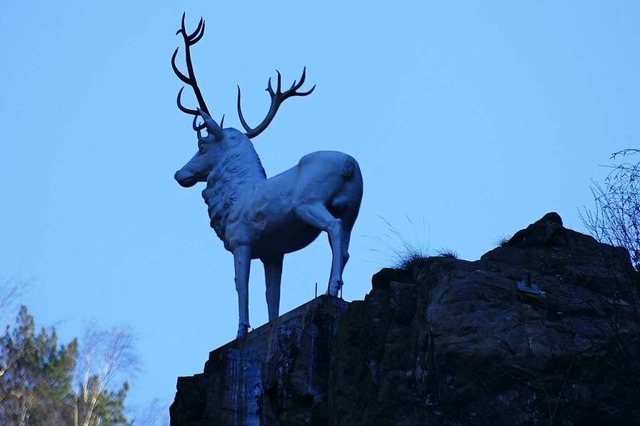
(277, 374)
(452, 342)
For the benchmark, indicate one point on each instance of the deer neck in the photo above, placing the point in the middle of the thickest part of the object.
(237, 172)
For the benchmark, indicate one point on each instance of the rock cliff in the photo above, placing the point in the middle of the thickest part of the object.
(542, 330)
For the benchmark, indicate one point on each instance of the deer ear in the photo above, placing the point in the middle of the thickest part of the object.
(212, 127)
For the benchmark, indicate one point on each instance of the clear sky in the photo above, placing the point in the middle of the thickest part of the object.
(470, 120)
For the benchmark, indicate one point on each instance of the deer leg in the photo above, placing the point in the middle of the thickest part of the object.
(345, 249)
(319, 217)
(348, 219)
(346, 237)
(273, 277)
(242, 263)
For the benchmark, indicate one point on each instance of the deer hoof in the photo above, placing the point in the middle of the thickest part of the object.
(334, 288)
(243, 330)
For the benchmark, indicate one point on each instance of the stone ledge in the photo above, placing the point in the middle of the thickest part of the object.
(279, 369)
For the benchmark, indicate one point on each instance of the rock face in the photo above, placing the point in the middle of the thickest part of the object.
(542, 330)
(277, 374)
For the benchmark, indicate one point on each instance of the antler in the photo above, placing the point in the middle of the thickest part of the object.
(190, 40)
(277, 98)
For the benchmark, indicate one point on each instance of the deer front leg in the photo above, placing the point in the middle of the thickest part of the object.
(242, 263)
(319, 217)
(273, 278)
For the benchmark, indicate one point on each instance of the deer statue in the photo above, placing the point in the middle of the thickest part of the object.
(264, 218)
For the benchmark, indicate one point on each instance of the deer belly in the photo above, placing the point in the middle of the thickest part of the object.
(284, 239)
(269, 226)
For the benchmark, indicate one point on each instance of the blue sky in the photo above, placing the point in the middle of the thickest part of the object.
(470, 120)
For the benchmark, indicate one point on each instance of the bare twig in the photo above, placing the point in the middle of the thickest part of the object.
(615, 219)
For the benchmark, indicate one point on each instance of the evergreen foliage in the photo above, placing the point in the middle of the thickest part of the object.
(38, 383)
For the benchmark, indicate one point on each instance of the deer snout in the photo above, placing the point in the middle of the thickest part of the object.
(185, 178)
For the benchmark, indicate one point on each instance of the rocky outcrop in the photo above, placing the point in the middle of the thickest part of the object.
(542, 330)
(277, 374)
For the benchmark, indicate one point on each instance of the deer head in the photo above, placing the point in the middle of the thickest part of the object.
(212, 148)
(219, 140)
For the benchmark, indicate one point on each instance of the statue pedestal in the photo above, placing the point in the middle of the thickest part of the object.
(277, 374)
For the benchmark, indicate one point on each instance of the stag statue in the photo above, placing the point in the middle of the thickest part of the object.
(264, 218)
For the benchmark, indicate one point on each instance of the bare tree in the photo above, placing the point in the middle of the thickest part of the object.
(10, 295)
(156, 413)
(107, 358)
(46, 383)
(615, 219)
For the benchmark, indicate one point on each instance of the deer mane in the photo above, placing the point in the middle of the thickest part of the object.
(235, 174)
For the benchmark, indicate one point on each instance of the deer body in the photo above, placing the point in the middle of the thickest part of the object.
(264, 218)
(267, 217)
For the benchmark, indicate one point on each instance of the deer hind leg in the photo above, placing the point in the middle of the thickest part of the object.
(319, 217)
(242, 263)
(346, 236)
(273, 278)
(343, 208)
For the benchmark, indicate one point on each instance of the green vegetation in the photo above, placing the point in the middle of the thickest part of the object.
(447, 253)
(502, 242)
(45, 383)
(404, 254)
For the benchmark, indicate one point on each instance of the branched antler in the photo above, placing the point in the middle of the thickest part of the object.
(190, 79)
(277, 97)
